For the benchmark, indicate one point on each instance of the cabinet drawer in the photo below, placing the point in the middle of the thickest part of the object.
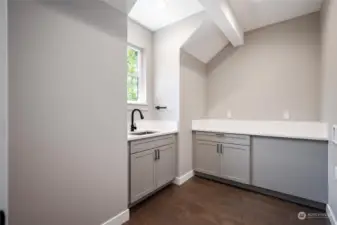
(237, 139)
(150, 143)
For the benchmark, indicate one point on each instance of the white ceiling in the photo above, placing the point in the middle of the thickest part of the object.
(156, 14)
(205, 51)
(253, 14)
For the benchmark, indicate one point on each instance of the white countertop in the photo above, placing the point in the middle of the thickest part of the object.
(161, 128)
(159, 133)
(283, 129)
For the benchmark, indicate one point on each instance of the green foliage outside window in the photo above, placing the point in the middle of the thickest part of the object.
(133, 74)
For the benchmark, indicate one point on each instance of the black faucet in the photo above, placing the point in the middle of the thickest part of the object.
(133, 125)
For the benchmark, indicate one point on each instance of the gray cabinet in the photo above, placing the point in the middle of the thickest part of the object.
(152, 165)
(142, 174)
(207, 158)
(235, 164)
(223, 155)
(165, 165)
(294, 167)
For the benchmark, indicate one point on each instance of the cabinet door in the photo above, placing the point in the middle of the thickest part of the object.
(165, 165)
(207, 158)
(235, 163)
(142, 177)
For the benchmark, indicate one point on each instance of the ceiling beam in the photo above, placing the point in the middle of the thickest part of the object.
(223, 16)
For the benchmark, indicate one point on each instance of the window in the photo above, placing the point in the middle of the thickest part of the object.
(135, 80)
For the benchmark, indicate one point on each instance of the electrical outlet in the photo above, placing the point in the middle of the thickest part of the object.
(229, 114)
(286, 114)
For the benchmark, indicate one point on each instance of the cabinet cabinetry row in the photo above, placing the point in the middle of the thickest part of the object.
(287, 166)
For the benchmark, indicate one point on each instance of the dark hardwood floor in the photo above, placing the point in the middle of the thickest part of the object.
(203, 202)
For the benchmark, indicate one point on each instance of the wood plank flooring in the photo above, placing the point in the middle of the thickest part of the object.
(204, 202)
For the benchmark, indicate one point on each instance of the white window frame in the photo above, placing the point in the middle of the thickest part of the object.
(142, 91)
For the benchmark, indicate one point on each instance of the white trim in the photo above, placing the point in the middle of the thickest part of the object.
(331, 215)
(182, 179)
(141, 106)
(119, 219)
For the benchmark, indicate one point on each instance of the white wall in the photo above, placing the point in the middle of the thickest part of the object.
(143, 38)
(277, 69)
(329, 71)
(3, 104)
(67, 104)
(193, 84)
(167, 44)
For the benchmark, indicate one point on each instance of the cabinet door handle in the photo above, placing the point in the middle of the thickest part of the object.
(217, 148)
(155, 155)
(221, 149)
(158, 154)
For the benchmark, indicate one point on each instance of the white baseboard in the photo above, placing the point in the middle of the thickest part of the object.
(119, 219)
(182, 179)
(331, 215)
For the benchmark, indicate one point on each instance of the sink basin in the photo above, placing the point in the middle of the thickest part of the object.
(143, 133)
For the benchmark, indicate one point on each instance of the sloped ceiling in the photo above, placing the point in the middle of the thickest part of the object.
(124, 6)
(253, 14)
(206, 42)
(156, 14)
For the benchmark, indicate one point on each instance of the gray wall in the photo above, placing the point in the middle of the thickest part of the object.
(193, 82)
(329, 71)
(167, 44)
(67, 104)
(277, 69)
(3, 104)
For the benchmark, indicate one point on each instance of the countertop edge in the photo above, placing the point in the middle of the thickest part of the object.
(160, 133)
(308, 138)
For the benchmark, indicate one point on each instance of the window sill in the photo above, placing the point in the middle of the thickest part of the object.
(138, 105)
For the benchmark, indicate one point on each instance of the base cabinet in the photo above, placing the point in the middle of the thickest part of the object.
(142, 174)
(153, 168)
(294, 167)
(235, 163)
(165, 165)
(207, 158)
(225, 156)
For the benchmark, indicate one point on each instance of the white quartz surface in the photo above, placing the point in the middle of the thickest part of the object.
(283, 129)
(161, 128)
